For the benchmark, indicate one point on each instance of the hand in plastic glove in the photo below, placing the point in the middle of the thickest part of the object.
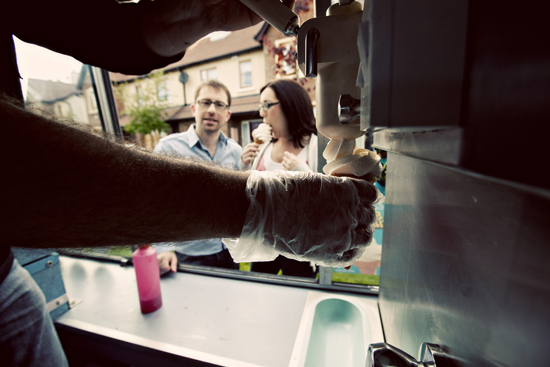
(306, 216)
(168, 261)
(293, 163)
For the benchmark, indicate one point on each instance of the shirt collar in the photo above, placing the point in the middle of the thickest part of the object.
(194, 138)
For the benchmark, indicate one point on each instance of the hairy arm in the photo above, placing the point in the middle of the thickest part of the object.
(62, 187)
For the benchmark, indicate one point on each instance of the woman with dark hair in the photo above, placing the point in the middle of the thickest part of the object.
(286, 107)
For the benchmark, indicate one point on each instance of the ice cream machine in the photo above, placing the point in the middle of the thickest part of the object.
(327, 50)
(378, 63)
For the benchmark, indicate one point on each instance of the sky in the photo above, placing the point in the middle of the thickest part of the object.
(39, 63)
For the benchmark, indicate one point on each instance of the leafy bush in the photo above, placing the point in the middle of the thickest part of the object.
(145, 110)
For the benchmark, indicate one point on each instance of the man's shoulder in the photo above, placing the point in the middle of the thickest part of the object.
(173, 143)
(174, 137)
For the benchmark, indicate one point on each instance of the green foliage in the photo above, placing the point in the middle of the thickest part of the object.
(145, 119)
(125, 251)
(367, 279)
(146, 112)
(244, 266)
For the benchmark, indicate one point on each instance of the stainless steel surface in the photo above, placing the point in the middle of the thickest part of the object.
(442, 145)
(221, 321)
(465, 264)
(416, 57)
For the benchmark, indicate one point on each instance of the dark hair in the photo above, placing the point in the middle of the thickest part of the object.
(297, 109)
(214, 84)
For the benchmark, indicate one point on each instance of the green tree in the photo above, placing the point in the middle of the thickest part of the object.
(145, 110)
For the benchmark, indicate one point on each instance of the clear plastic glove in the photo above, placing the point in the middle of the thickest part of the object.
(306, 216)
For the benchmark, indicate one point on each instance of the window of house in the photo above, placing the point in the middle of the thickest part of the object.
(163, 92)
(245, 69)
(209, 74)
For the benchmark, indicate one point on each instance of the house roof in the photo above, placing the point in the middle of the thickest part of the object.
(209, 49)
(51, 91)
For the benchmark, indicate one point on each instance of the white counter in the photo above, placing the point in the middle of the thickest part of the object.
(212, 319)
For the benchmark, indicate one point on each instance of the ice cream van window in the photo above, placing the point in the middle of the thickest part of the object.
(66, 89)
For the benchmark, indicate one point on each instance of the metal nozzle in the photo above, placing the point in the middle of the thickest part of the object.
(349, 109)
(293, 27)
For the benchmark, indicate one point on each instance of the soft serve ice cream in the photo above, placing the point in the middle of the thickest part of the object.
(262, 134)
(344, 158)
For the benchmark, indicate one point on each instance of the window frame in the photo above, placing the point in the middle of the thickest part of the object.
(163, 84)
(91, 100)
(206, 72)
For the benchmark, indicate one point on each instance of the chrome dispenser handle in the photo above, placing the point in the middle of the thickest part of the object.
(431, 355)
(434, 355)
(312, 38)
(349, 109)
(277, 14)
(386, 355)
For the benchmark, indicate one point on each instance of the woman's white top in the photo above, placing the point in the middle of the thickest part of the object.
(309, 152)
(271, 165)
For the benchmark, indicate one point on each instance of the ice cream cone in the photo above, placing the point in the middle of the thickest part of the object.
(262, 134)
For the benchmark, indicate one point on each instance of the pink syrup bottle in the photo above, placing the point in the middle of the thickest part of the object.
(148, 278)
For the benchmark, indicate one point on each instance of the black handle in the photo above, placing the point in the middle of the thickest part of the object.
(312, 37)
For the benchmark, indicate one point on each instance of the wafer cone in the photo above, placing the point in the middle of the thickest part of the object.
(258, 141)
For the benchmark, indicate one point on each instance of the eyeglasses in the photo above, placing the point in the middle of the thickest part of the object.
(220, 106)
(266, 106)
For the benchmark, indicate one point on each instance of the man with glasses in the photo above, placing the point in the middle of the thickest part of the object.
(206, 141)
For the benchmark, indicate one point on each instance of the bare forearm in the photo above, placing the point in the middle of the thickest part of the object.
(65, 188)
